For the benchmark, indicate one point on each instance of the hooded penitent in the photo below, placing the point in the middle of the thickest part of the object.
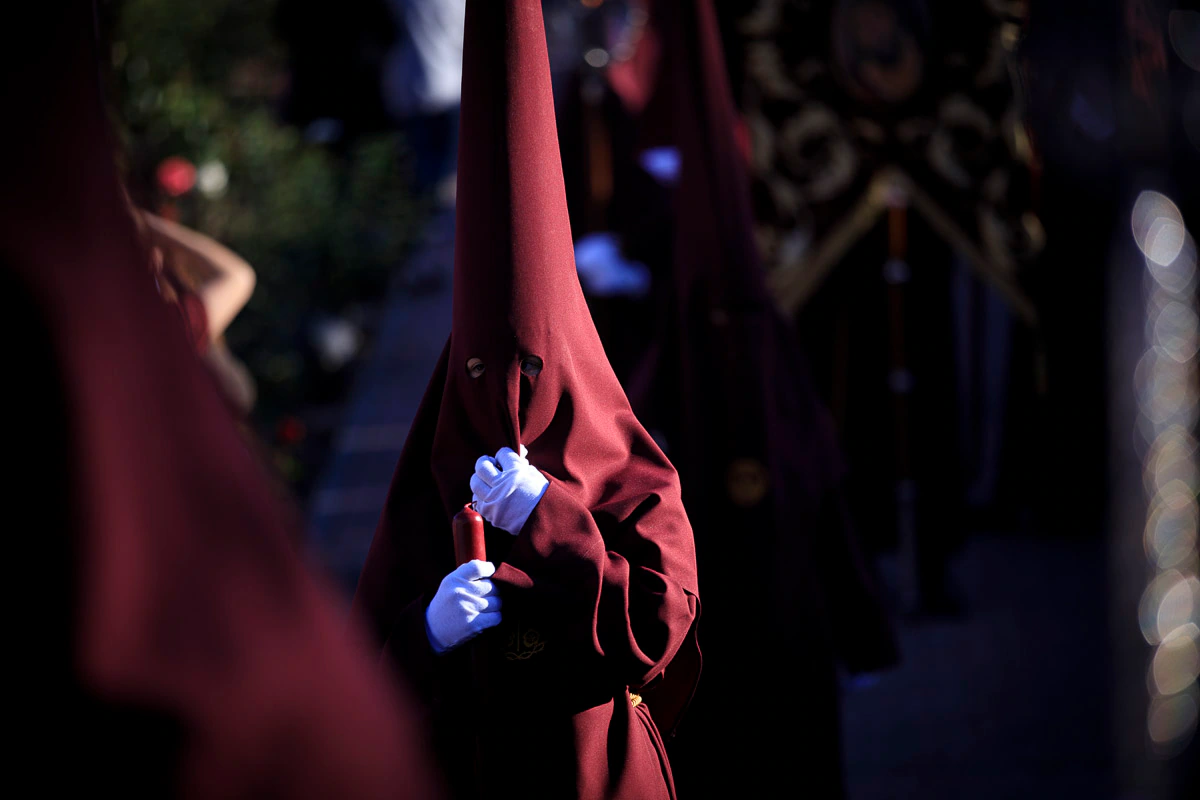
(599, 587)
(602, 127)
(179, 647)
(787, 592)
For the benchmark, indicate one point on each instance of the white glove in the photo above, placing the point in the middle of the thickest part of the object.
(466, 604)
(507, 488)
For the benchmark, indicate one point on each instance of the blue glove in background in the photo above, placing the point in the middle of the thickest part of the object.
(605, 272)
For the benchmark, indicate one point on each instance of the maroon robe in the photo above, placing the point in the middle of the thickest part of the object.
(599, 588)
(171, 639)
(789, 596)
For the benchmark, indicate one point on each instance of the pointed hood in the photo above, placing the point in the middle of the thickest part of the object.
(190, 631)
(634, 78)
(600, 584)
(516, 291)
(715, 247)
(525, 366)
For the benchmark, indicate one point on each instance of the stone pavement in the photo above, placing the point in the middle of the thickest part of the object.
(1011, 701)
(346, 501)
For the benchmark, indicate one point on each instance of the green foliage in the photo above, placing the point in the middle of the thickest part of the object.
(322, 227)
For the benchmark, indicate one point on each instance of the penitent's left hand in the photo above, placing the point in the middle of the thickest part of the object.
(507, 488)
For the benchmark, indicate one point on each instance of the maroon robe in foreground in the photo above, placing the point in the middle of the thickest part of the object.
(170, 637)
(599, 588)
(788, 594)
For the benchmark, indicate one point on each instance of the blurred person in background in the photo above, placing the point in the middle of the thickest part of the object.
(180, 646)
(421, 84)
(620, 211)
(210, 285)
(790, 594)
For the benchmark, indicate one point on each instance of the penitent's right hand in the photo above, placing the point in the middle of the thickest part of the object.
(466, 604)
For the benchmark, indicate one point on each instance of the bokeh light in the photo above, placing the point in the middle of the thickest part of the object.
(1157, 612)
(597, 57)
(1172, 720)
(1177, 607)
(1151, 211)
(1175, 331)
(1170, 464)
(1167, 386)
(1167, 394)
(1176, 661)
(1177, 276)
(1170, 535)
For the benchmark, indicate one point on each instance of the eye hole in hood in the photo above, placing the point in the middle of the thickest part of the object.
(531, 366)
